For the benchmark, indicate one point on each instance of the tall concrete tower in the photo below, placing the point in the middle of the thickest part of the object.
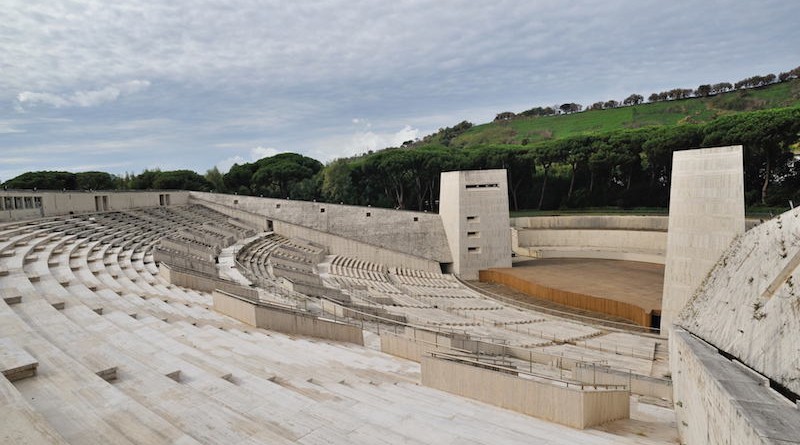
(473, 206)
(706, 211)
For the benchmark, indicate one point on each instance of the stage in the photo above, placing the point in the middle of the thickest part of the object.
(626, 289)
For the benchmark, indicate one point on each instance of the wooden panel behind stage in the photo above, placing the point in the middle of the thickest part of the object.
(627, 289)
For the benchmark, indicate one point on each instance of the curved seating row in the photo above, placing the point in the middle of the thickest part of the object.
(124, 357)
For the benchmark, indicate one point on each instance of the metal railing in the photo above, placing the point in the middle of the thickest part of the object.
(563, 383)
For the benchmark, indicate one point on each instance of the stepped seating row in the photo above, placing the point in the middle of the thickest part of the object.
(426, 282)
(355, 268)
(126, 358)
(189, 247)
(217, 222)
(442, 302)
(197, 247)
(286, 254)
(256, 273)
(257, 251)
(273, 262)
(451, 292)
(374, 287)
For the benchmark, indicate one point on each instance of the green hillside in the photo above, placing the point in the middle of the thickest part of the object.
(521, 130)
(619, 157)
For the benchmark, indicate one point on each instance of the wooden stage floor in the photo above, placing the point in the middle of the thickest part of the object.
(635, 283)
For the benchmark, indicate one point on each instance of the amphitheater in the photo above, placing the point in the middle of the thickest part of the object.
(189, 317)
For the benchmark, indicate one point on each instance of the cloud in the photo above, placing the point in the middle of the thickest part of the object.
(329, 147)
(53, 100)
(255, 154)
(96, 167)
(8, 128)
(224, 165)
(302, 76)
(263, 152)
(370, 140)
(82, 98)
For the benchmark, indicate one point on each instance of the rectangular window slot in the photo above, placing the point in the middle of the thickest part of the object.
(473, 219)
(322, 210)
(369, 214)
(474, 234)
(277, 206)
(474, 249)
(482, 186)
(416, 219)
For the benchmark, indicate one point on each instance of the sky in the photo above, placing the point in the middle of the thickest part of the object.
(124, 85)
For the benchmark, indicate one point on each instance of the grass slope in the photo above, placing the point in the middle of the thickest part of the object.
(693, 110)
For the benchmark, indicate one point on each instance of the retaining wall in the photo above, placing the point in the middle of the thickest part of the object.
(285, 320)
(416, 234)
(596, 304)
(183, 278)
(551, 401)
(638, 384)
(410, 349)
(375, 249)
(720, 401)
(38, 204)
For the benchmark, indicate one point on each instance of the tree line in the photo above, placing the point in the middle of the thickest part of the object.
(94, 180)
(624, 168)
(704, 90)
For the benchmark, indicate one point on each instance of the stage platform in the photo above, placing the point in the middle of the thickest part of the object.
(627, 289)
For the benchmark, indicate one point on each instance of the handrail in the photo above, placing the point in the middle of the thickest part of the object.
(285, 308)
(477, 359)
(565, 383)
(365, 316)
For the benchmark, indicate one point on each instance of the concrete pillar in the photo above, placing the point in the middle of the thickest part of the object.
(706, 212)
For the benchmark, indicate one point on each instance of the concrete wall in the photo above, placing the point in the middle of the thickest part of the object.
(638, 384)
(187, 278)
(616, 244)
(630, 312)
(474, 209)
(416, 234)
(339, 245)
(43, 204)
(718, 401)
(410, 348)
(749, 306)
(204, 267)
(237, 308)
(285, 320)
(593, 222)
(551, 401)
(706, 212)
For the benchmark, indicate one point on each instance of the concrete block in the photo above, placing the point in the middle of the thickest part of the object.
(13, 300)
(15, 362)
(174, 375)
(108, 374)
